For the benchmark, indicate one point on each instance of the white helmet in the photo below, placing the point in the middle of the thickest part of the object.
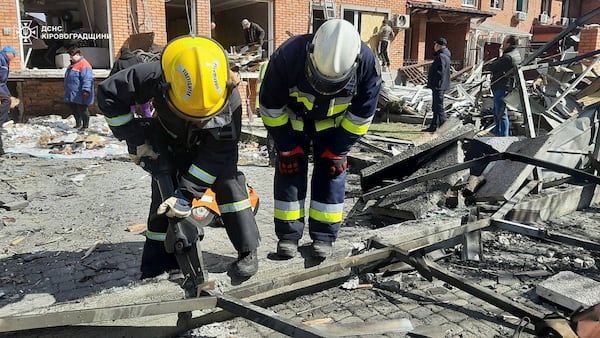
(332, 56)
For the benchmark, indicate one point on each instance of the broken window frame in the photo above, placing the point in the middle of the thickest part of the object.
(45, 31)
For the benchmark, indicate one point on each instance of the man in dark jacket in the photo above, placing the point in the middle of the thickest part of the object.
(7, 54)
(253, 33)
(126, 60)
(438, 80)
(199, 112)
(502, 82)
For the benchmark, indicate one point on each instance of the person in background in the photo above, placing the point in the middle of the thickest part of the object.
(253, 33)
(385, 36)
(318, 90)
(502, 82)
(438, 80)
(79, 88)
(199, 110)
(7, 54)
(127, 59)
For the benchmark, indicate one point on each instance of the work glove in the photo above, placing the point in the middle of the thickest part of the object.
(143, 150)
(336, 164)
(289, 161)
(175, 206)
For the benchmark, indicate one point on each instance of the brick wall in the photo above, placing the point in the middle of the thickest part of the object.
(581, 7)
(290, 16)
(589, 41)
(506, 15)
(11, 36)
(48, 98)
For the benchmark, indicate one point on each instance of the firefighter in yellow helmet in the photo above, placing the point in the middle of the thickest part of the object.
(196, 132)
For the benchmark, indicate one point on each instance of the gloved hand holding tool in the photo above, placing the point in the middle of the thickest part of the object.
(289, 161)
(176, 206)
(143, 150)
(337, 163)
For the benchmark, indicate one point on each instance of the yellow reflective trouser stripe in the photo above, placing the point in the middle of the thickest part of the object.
(286, 215)
(235, 206)
(325, 217)
(274, 121)
(119, 120)
(157, 236)
(302, 99)
(324, 124)
(355, 128)
(327, 123)
(327, 213)
(289, 211)
(201, 174)
(298, 125)
(338, 108)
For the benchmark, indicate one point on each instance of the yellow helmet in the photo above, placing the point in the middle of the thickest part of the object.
(196, 70)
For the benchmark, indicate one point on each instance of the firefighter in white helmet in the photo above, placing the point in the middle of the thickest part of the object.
(318, 90)
(199, 110)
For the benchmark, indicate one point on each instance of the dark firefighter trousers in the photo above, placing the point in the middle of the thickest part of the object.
(325, 191)
(229, 187)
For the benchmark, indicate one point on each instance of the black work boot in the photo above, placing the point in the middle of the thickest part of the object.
(246, 264)
(321, 249)
(287, 248)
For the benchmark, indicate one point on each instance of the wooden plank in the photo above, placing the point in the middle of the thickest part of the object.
(409, 247)
(397, 234)
(74, 317)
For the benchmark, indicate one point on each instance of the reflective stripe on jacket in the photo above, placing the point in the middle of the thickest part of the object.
(288, 101)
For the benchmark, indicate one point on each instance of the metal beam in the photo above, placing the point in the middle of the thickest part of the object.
(544, 234)
(266, 317)
(480, 292)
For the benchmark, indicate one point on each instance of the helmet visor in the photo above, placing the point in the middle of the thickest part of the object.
(324, 85)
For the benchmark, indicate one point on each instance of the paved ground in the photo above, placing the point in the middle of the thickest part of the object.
(67, 248)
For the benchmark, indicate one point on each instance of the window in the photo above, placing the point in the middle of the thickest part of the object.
(522, 6)
(497, 4)
(546, 6)
(366, 22)
(470, 3)
(49, 28)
